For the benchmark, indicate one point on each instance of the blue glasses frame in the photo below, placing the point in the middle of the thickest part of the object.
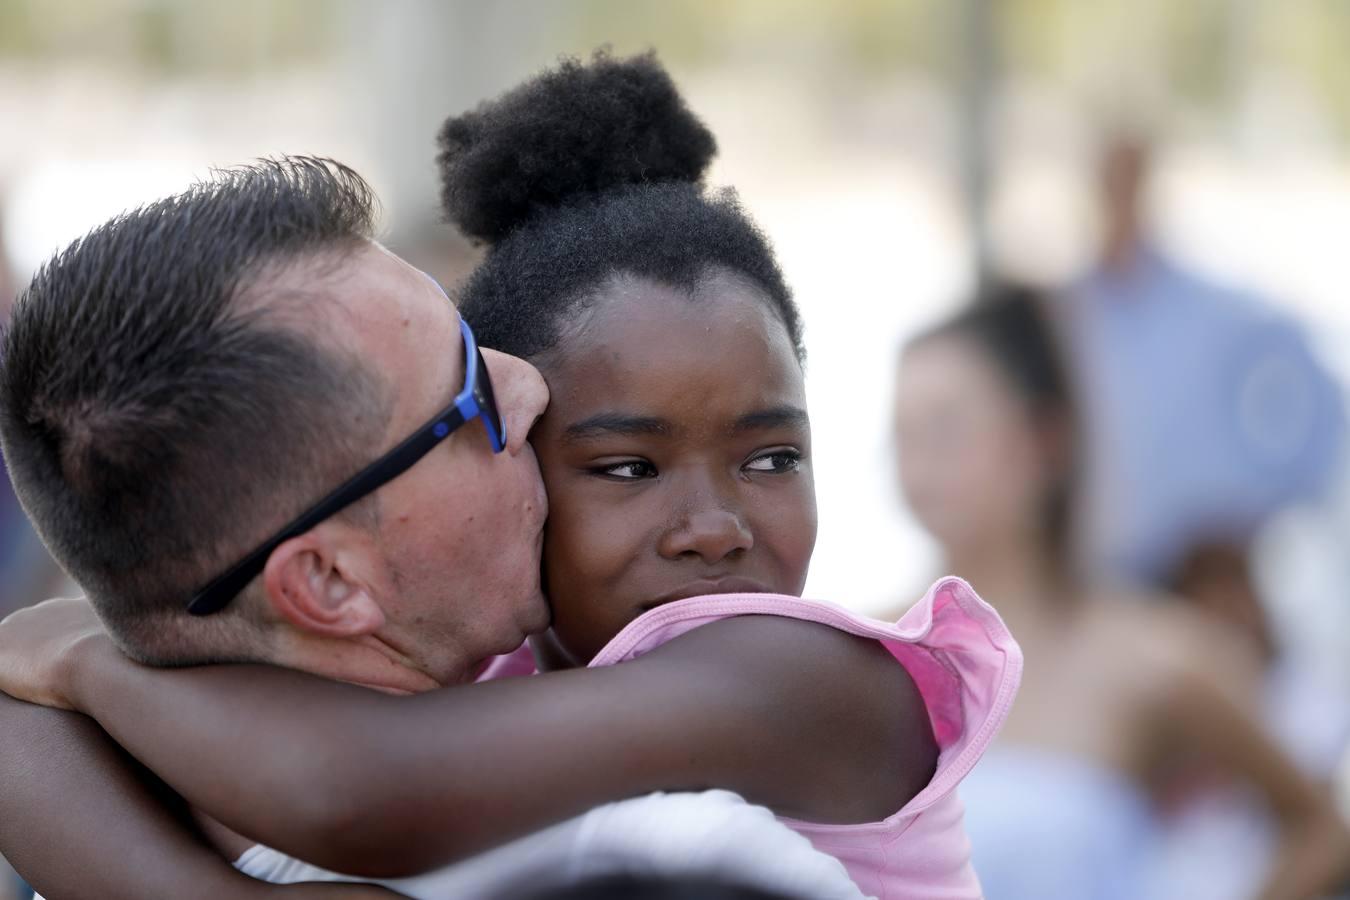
(475, 401)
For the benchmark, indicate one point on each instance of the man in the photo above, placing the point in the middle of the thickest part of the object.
(1207, 414)
(182, 390)
(195, 406)
(1206, 411)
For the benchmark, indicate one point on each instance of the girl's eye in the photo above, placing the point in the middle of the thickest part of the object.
(776, 461)
(628, 470)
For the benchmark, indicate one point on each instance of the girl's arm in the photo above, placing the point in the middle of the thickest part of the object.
(807, 720)
(78, 820)
(1205, 712)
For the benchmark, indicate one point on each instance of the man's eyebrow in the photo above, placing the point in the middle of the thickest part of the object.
(608, 424)
(774, 417)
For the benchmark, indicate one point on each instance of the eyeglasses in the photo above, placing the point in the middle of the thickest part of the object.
(475, 401)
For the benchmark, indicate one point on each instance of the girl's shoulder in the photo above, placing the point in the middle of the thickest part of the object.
(959, 654)
(949, 614)
(953, 648)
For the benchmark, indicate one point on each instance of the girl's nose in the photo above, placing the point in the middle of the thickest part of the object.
(712, 534)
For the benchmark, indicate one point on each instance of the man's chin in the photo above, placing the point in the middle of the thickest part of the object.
(539, 616)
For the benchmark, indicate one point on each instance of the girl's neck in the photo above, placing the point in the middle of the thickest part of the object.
(549, 655)
(1017, 575)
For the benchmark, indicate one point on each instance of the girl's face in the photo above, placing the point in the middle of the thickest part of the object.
(973, 466)
(676, 453)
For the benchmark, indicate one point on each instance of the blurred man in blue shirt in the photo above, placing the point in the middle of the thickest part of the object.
(1206, 411)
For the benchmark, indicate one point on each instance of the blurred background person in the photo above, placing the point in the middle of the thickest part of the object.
(1117, 687)
(1205, 415)
(1218, 836)
(1204, 409)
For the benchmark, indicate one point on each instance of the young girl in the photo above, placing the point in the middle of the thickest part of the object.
(1118, 691)
(676, 453)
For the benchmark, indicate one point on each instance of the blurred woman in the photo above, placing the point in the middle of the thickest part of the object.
(1116, 691)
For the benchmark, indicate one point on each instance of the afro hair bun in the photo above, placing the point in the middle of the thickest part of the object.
(570, 132)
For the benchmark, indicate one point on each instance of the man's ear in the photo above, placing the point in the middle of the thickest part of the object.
(308, 583)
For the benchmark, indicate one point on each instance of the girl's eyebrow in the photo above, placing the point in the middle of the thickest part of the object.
(603, 424)
(608, 424)
(774, 417)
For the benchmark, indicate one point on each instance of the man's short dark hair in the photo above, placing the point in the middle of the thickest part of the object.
(161, 409)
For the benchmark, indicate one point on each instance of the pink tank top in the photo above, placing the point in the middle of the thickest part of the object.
(967, 667)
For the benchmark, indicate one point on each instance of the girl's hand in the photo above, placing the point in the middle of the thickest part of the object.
(39, 647)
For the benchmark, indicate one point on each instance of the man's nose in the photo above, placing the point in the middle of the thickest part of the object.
(521, 395)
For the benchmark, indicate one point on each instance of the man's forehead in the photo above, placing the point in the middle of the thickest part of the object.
(434, 283)
(367, 300)
(376, 285)
(411, 277)
(409, 329)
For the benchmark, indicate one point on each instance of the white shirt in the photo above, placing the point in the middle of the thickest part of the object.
(714, 834)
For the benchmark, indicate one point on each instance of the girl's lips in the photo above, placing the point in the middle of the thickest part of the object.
(704, 586)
